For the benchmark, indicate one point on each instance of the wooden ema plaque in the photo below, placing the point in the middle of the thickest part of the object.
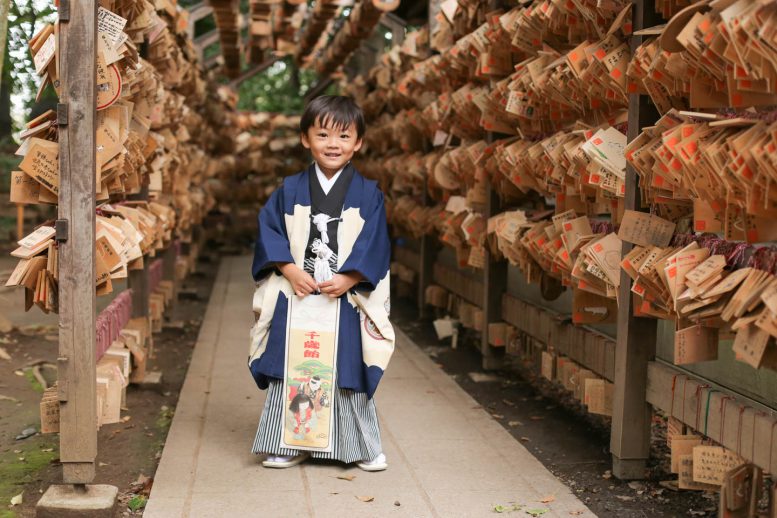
(310, 373)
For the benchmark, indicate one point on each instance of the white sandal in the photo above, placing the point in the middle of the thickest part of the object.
(284, 461)
(377, 464)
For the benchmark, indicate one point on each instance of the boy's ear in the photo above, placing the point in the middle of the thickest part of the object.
(358, 145)
(304, 139)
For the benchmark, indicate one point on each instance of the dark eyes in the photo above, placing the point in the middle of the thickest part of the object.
(342, 135)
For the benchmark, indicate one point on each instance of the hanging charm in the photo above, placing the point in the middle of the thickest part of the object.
(321, 221)
(321, 270)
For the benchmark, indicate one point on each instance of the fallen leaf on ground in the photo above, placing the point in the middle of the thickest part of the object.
(536, 512)
(396, 503)
(47, 450)
(366, 498)
(548, 499)
(17, 500)
(576, 513)
(7, 398)
(4, 354)
(537, 418)
(515, 423)
(137, 503)
(126, 418)
(508, 402)
(497, 416)
(346, 477)
(525, 439)
(607, 475)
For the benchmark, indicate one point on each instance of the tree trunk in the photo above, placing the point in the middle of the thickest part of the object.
(6, 123)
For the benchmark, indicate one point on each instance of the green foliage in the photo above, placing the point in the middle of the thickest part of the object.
(211, 50)
(277, 90)
(36, 386)
(19, 469)
(136, 503)
(165, 419)
(509, 508)
(25, 18)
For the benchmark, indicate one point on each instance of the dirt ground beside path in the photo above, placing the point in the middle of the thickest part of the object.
(553, 427)
(129, 451)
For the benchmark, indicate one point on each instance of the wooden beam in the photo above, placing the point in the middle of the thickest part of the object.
(636, 338)
(213, 61)
(206, 40)
(251, 72)
(196, 13)
(740, 424)
(451, 278)
(77, 171)
(318, 89)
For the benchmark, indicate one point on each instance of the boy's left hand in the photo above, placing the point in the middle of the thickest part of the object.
(340, 283)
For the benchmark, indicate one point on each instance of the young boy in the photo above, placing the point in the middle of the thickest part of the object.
(323, 233)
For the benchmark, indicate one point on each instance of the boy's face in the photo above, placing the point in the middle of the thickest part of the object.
(331, 147)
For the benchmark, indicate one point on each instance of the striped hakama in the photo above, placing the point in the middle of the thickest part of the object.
(356, 432)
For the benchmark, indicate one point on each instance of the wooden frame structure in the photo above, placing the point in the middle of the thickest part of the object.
(75, 236)
(641, 380)
(76, 116)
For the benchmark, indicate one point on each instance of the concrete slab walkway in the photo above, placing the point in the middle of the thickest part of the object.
(447, 456)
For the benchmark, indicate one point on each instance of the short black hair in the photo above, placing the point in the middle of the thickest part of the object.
(338, 111)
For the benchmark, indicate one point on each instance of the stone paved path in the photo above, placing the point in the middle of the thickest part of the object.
(447, 456)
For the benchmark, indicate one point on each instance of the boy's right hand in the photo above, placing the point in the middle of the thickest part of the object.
(301, 281)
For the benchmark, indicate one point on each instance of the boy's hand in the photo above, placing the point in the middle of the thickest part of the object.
(340, 283)
(301, 281)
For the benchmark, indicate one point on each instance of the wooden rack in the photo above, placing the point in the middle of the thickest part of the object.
(642, 379)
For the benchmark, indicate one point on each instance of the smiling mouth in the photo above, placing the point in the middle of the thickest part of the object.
(332, 155)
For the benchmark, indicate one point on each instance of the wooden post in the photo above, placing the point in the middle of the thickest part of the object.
(19, 221)
(77, 170)
(426, 256)
(168, 271)
(494, 283)
(137, 280)
(636, 341)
